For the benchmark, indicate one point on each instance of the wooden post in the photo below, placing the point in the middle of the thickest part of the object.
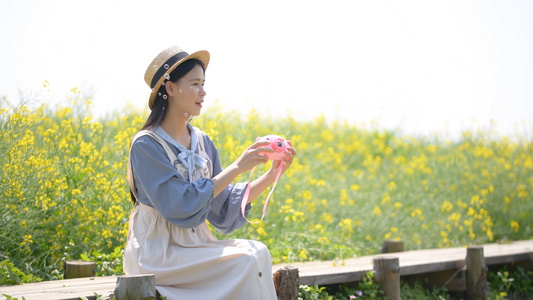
(135, 287)
(78, 269)
(390, 246)
(476, 274)
(387, 274)
(287, 283)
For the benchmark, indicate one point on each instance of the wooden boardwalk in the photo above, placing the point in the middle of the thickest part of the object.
(412, 262)
(311, 273)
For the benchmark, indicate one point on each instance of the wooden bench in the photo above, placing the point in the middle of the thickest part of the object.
(310, 273)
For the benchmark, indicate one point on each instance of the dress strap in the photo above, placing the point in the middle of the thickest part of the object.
(171, 156)
(201, 149)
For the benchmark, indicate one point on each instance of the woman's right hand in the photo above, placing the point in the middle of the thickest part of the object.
(253, 156)
(250, 158)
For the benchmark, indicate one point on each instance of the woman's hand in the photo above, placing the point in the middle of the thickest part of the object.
(250, 158)
(253, 156)
(287, 159)
(260, 184)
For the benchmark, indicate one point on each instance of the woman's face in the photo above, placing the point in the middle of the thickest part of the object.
(187, 94)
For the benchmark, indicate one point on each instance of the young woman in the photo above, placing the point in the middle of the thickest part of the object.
(177, 183)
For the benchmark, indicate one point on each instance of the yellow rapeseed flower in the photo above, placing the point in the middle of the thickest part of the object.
(327, 217)
(285, 209)
(298, 217)
(455, 217)
(462, 204)
(261, 231)
(431, 149)
(376, 212)
(417, 212)
(386, 199)
(306, 195)
(475, 200)
(528, 163)
(471, 211)
(302, 253)
(319, 227)
(321, 182)
(343, 197)
(323, 240)
(392, 185)
(446, 206)
(490, 235)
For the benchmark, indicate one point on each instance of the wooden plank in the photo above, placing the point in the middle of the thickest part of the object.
(412, 262)
(61, 289)
(329, 272)
(506, 253)
(431, 260)
(311, 273)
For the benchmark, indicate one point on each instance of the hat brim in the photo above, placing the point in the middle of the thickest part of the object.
(201, 55)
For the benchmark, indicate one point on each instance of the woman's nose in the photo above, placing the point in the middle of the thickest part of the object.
(202, 91)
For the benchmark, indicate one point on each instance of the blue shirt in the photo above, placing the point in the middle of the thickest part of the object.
(183, 203)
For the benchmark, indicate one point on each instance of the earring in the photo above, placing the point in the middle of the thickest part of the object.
(180, 91)
(186, 115)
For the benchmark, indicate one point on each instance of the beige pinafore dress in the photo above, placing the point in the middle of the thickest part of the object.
(190, 263)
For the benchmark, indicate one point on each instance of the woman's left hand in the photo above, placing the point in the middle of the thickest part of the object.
(287, 159)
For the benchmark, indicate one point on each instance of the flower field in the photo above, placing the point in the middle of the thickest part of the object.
(64, 194)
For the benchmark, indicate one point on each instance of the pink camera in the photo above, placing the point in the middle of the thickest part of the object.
(277, 143)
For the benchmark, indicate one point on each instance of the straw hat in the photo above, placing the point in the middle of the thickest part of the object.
(165, 63)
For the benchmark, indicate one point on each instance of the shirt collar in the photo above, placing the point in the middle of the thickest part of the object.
(166, 137)
(188, 158)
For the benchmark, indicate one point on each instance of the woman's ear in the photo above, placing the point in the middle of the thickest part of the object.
(170, 87)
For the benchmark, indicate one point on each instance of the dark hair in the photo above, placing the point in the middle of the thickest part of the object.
(161, 101)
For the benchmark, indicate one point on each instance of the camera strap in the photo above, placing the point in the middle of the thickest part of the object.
(247, 193)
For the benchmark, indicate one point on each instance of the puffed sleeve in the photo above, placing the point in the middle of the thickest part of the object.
(225, 214)
(161, 186)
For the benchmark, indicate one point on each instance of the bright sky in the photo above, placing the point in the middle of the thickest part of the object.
(421, 66)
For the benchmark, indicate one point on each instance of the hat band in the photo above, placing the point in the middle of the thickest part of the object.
(164, 68)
